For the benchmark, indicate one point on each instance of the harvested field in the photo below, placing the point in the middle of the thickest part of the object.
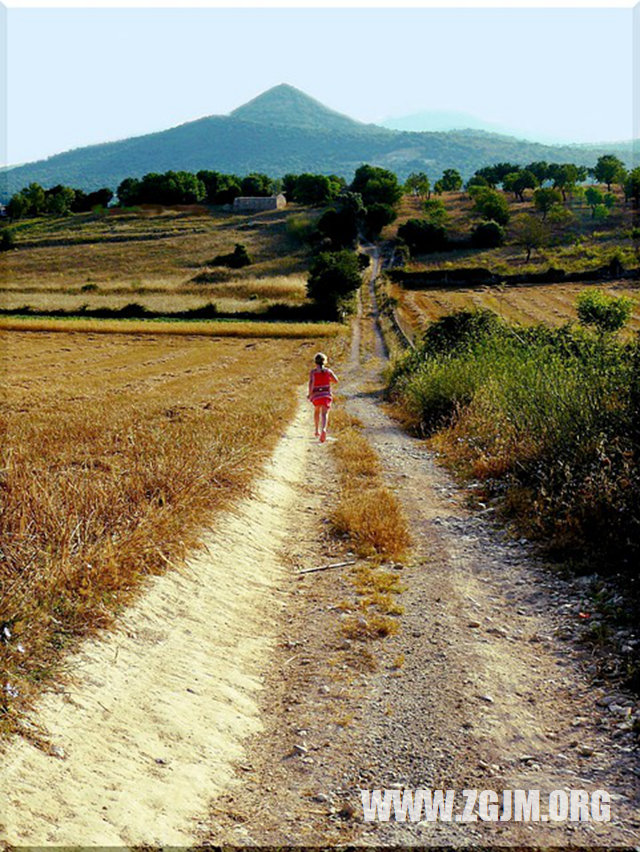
(117, 451)
(553, 304)
(161, 258)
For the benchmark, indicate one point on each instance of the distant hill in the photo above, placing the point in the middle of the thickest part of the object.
(441, 121)
(284, 130)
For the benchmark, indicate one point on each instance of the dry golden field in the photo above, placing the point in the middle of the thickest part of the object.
(553, 304)
(159, 258)
(116, 450)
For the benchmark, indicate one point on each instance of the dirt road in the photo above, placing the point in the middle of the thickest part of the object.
(230, 707)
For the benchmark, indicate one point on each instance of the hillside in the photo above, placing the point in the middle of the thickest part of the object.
(284, 130)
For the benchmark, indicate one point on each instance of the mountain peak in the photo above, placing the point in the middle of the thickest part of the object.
(289, 107)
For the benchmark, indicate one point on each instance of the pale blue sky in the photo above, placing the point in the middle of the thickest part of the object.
(79, 76)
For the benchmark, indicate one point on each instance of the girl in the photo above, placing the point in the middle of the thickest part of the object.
(320, 380)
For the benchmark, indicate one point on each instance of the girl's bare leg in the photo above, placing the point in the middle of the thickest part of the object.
(316, 418)
(324, 415)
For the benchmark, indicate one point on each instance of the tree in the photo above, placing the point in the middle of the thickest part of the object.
(593, 197)
(128, 192)
(99, 198)
(539, 168)
(418, 184)
(451, 180)
(632, 187)
(476, 182)
(18, 206)
(491, 204)
(340, 224)
(58, 200)
(496, 174)
(375, 184)
(565, 177)
(256, 184)
(376, 217)
(517, 182)
(314, 189)
(35, 195)
(423, 236)
(530, 233)
(487, 235)
(334, 277)
(607, 313)
(544, 199)
(608, 169)
(289, 182)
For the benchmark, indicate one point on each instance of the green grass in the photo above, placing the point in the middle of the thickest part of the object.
(544, 418)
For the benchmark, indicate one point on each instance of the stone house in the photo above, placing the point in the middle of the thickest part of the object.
(253, 204)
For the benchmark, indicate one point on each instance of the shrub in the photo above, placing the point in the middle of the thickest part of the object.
(236, 259)
(545, 417)
(487, 235)
(423, 236)
(491, 204)
(607, 313)
(436, 212)
(7, 240)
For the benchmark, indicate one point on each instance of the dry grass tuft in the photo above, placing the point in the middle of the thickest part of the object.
(371, 517)
(367, 511)
(372, 626)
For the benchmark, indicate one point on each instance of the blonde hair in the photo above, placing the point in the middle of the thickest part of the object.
(320, 359)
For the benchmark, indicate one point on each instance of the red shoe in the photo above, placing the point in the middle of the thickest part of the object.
(323, 436)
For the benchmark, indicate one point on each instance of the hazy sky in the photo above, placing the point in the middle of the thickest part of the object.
(79, 76)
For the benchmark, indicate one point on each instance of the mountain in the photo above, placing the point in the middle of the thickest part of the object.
(286, 106)
(443, 121)
(284, 130)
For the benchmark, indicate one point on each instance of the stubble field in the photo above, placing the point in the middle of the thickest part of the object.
(117, 450)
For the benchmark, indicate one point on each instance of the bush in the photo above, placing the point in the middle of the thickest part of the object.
(7, 240)
(491, 204)
(487, 235)
(436, 212)
(236, 259)
(607, 313)
(545, 417)
(423, 236)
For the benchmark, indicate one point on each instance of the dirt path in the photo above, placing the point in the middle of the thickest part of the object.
(144, 732)
(493, 691)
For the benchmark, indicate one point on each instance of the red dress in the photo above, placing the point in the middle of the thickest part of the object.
(321, 387)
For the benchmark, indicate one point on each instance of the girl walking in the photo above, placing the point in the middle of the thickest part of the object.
(320, 380)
